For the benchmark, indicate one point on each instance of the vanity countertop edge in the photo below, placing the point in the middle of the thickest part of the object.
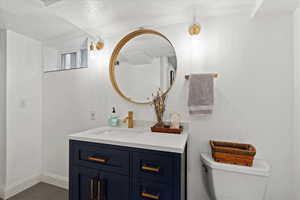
(143, 139)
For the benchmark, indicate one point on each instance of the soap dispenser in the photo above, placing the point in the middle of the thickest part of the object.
(114, 119)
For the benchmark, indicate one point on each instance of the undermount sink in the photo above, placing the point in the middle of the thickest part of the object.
(122, 133)
(118, 133)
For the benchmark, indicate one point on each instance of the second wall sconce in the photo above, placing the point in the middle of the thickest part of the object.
(195, 28)
(92, 47)
(98, 46)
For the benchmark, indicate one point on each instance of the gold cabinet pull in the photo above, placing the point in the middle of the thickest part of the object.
(99, 190)
(92, 189)
(152, 169)
(150, 196)
(99, 160)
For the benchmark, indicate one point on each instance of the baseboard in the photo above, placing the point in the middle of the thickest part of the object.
(49, 178)
(15, 188)
(1, 192)
(57, 180)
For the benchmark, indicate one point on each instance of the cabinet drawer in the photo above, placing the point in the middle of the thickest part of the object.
(100, 157)
(152, 191)
(153, 166)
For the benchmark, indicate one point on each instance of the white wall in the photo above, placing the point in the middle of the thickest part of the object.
(254, 95)
(296, 138)
(50, 59)
(24, 110)
(69, 98)
(2, 106)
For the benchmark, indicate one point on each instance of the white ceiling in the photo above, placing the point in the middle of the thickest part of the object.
(31, 17)
(66, 18)
(106, 16)
(275, 6)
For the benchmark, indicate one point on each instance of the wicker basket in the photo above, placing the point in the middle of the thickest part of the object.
(233, 153)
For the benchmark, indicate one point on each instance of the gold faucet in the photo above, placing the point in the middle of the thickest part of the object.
(129, 119)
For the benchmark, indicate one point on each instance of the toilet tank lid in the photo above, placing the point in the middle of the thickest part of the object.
(260, 167)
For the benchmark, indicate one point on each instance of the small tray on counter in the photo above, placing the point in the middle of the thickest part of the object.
(166, 128)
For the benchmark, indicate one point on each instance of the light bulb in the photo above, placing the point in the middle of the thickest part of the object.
(195, 29)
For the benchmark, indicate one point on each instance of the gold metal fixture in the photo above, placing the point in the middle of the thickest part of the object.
(152, 169)
(92, 48)
(195, 29)
(114, 56)
(129, 119)
(92, 189)
(187, 77)
(99, 160)
(99, 44)
(150, 196)
(99, 190)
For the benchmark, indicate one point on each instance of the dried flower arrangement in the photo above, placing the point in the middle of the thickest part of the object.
(159, 106)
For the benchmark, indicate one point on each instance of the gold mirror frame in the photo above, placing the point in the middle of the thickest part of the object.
(113, 60)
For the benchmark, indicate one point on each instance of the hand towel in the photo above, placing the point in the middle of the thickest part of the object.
(201, 94)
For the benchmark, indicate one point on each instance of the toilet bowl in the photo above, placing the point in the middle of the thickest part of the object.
(233, 182)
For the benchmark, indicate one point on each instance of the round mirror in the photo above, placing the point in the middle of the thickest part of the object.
(141, 63)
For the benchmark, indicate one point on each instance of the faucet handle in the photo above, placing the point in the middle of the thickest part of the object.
(125, 119)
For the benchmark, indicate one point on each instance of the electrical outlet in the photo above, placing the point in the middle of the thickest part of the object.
(23, 103)
(93, 115)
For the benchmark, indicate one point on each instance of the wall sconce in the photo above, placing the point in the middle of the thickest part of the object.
(99, 45)
(195, 29)
(92, 47)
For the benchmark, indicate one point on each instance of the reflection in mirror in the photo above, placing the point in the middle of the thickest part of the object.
(66, 55)
(147, 62)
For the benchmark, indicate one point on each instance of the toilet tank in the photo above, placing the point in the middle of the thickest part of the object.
(233, 182)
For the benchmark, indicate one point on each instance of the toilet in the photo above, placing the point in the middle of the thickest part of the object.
(234, 182)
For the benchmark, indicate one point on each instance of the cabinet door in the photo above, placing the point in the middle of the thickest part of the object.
(83, 184)
(114, 186)
(90, 184)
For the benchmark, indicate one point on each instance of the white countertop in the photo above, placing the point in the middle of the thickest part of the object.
(136, 137)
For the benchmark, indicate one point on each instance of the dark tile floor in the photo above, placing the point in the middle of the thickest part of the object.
(42, 191)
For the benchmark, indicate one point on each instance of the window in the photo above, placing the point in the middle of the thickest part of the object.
(68, 56)
(69, 60)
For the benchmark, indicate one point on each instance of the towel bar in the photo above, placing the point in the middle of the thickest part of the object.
(187, 77)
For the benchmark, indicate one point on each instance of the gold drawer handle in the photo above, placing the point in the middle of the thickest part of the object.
(92, 189)
(150, 196)
(152, 169)
(99, 190)
(99, 160)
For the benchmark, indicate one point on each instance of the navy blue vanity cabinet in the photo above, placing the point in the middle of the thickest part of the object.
(108, 172)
